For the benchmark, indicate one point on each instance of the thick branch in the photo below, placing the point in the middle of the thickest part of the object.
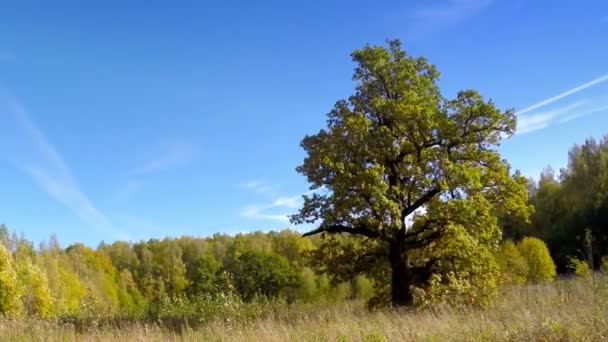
(420, 202)
(339, 228)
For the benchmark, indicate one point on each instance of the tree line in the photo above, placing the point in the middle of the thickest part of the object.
(136, 279)
(571, 208)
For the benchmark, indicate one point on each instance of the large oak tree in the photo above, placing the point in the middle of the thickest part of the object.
(403, 167)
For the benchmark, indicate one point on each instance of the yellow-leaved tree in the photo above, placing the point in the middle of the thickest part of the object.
(540, 264)
(10, 289)
(37, 298)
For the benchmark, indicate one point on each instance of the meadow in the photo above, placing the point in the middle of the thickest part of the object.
(567, 309)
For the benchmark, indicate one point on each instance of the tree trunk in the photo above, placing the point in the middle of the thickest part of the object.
(402, 277)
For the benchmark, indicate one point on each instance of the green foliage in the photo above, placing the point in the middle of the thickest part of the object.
(466, 272)
(37, 298)
(263, 274)
(513, 266)
(203, 275)
(308, 289)
(569, 204)
(397, 146)
(540, 265)
(10, 288)
(362, 288)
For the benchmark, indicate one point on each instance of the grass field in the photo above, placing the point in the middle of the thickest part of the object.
(564, 310)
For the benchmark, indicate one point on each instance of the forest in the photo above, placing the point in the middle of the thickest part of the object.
(417, 220)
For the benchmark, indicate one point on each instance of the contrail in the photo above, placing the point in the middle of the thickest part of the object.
(574, 90)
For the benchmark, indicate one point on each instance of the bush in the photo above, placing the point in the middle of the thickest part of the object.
(513, 266)
(540, 264)
(466, 274)
(580, 267)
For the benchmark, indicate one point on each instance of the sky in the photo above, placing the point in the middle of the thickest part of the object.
(137, 120)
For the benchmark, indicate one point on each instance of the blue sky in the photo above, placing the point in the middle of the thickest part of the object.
(152, 119)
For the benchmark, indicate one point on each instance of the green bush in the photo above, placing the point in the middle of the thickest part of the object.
(513, 266)
(540, 264)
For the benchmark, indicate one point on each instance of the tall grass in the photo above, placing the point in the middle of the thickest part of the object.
(564, 310)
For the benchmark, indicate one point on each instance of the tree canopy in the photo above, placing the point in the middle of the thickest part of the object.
(404, 167)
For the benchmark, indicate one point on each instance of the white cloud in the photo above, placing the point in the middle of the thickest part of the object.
(529, 119)
(533, 122)
(288, 202)
(55, 178)
(256, 212)
(277, 210)
(166, 155)
(259, 187)
(580, 114)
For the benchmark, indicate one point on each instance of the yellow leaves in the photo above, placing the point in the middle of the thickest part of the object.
(10, 288)
(37, 298)
(513, 266)
(540, 264)
(465, 273)
(580, 267)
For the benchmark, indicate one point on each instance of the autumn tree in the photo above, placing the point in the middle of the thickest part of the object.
(11, 291)
(402, 167)
(540, 264)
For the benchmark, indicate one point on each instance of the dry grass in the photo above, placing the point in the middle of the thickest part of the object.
(565, 310)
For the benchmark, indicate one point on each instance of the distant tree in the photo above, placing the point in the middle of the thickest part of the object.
(399, 165)
(289, 244)
(263, 273)
(585, 184)
(100, 277)
(5, 236)
(203, 275)
(540, 265)
(10, 289)
(161, 270)
(37, 298)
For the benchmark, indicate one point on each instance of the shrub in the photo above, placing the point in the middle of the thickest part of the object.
(580, 267)
(540, 264)
(513, 266)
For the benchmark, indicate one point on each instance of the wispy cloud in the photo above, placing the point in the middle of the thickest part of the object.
(165, 156)
(288, 202)
(278, 210)
(583, 113)
(533, 122)
(530, 119)
(443, 13)
(569, 92)
(259, 187)
(53, 176)
(258, 213)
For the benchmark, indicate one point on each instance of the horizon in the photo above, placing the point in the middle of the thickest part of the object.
(131, 124)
